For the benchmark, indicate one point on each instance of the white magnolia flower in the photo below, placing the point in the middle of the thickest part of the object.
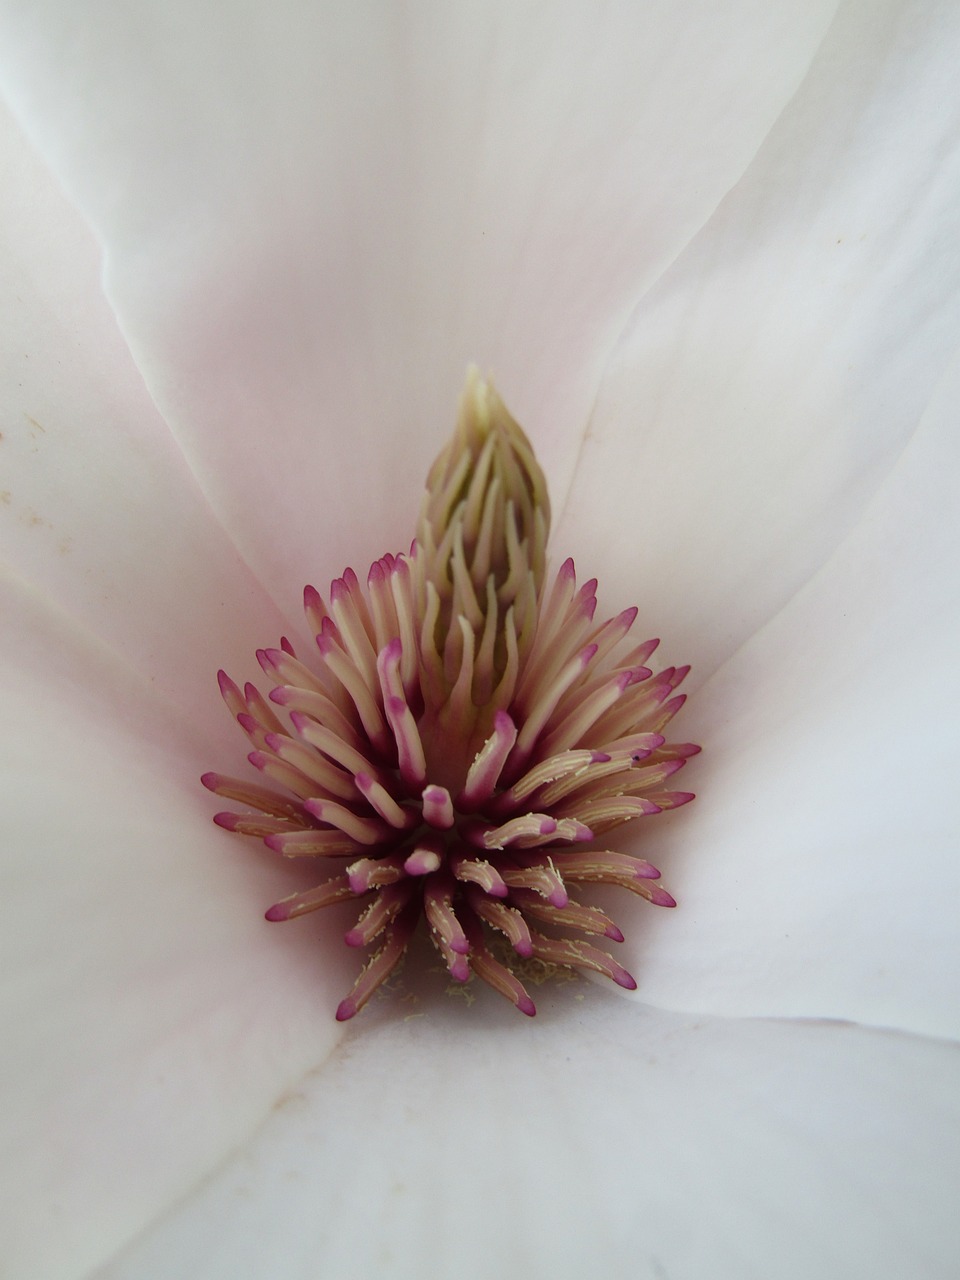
(710, 254)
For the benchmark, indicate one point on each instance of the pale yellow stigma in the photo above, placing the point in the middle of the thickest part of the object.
(481, 558)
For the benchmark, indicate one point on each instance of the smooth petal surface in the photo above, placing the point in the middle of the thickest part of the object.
(616, 1141)
(743, 1146)
(818, 870)
(97, 507)
(791, 377)
(316, 217)
(151, 1015)
(772, 377)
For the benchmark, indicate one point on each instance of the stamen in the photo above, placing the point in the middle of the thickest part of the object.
(257, 797)
(547, 699)
(374, 873)
(529, 825)
(441, 917)
(543, 877)
(381, 965)
(612, 811)
(507, 919)
(284, 669)
(573, 916)
(477, 871)
(324, 776)
(320, 708)
(581, 955)
(365, 831)
(438, 807)
(298, 904)
(247, 824)
(310, 844)
(381, 801)
(492, 972)
(484, 773)
(403, 725)
(427, 856)
(314, 608)
(286, 775)
(326, 741)
(385, 907)
(340, 666)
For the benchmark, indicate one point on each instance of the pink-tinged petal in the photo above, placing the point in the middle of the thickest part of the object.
(706, 1147)
(309, 193)
(151, 1018)
(817, 872)
(98, 509)
(770, 379)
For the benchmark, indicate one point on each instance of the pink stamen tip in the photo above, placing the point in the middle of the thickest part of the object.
(274, 841)
(459, 969)
(226, 820)
(624, 979)
(613, 933)
(526, 1005)
(558, 897)
(278, 912)
(280, 695)
(354, 937)
(524, 948)
(249, 724)
(660, 898)
(421, 862)
(224, 681)
(287, 647)
(311, 597)
(210, 780)
(346, 1010)
(438, 807)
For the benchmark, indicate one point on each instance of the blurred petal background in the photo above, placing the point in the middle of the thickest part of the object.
(709, 252)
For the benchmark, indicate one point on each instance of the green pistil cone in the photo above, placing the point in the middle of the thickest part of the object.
(481, 559)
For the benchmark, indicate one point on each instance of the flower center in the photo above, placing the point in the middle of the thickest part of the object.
(464, 735)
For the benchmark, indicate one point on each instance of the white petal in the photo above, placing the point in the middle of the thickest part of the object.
(151, 1016)
(316, 216)
(617, 1141)
(817, 870)
(770, 380)
(97, 507)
